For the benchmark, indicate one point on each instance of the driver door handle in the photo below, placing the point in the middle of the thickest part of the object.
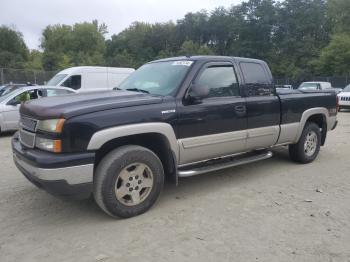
(240, 110)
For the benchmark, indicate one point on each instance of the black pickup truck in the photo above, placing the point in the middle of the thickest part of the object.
(171, 118)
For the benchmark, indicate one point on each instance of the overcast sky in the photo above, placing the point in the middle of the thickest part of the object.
(31, 17)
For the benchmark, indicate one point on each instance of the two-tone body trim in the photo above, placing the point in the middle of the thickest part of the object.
(106, 135)
(194, 149)
(330, 120)
(73, 175)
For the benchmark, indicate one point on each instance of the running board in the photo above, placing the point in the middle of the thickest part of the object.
(214, 165)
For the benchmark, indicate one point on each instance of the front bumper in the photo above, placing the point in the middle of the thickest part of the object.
(67, 175)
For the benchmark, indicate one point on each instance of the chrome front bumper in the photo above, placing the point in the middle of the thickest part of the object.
(73, 175)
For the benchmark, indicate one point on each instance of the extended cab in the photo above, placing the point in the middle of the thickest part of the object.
(171, 118)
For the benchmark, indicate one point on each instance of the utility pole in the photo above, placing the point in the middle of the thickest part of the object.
(2, 76)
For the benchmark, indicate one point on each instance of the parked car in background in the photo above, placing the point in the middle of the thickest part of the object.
(318, 86)
(283, 87)
(8, 88)
(315, 86)
(344, 98)
(10, 102)
(90, 78)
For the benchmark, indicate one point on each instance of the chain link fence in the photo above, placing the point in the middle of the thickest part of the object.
(336, 81)
(22, 76)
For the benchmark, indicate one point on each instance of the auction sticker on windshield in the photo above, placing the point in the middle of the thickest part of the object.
(182, 63)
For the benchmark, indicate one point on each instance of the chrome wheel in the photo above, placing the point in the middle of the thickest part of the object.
(134, 184)
(310, 144)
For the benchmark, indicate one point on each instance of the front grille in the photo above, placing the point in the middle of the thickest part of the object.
(27, 138)
(345, 98)
(28, 123)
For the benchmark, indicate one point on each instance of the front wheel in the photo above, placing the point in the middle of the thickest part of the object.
(128, 181)
(308, 146)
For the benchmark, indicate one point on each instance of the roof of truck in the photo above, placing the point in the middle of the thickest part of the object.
(206, 57)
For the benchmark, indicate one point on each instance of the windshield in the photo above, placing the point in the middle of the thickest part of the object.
(56, 79)
(308, 86)
(161, 78)
(8, 89)
(6, 96)
(346, 89)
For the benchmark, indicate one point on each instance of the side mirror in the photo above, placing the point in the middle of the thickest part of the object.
(197, 93)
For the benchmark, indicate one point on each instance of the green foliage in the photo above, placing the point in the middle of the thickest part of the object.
(13, 50)
(298, 38)
(339, 15)
(34, 61)
(191, 48)
(23, 97)
(335, 58)
(80, 44)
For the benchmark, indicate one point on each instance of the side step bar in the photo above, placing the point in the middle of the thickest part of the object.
(214, 165)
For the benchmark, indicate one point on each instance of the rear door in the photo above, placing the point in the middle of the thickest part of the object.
(217, 125)
(263, 106)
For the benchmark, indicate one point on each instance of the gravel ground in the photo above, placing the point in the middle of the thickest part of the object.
(273, 210)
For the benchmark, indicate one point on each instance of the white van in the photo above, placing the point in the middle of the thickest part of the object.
(90, 78)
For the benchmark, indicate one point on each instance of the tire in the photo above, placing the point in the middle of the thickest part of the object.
(308, 146)
(119, 173)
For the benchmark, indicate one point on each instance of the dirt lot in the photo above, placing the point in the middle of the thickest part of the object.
(273, 210)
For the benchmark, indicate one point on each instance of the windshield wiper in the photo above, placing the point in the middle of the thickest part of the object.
(137, 90)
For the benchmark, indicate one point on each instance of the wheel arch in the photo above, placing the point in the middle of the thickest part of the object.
(319, 116)
(158, 137)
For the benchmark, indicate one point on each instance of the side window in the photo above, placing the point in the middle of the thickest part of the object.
(73, 82)
(221, 81)
(26, 96)
(57, 92)
(256, 80)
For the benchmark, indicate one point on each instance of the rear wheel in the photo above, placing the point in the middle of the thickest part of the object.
(308, 146)
(128, 181)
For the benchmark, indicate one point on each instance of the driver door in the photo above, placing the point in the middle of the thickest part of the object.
(216, 125)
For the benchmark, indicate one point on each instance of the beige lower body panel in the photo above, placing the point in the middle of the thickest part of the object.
(289, 133)
(262, 137)
(195, 149)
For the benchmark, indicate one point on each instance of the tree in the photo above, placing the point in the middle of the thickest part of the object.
(35, 60)
(335, 58)
(191, 48)
(13, 50)
(219, 27)
(339, 15)
(194, 26)
(80, 44)
(300, 33)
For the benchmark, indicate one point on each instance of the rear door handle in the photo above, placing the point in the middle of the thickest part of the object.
(240, 109)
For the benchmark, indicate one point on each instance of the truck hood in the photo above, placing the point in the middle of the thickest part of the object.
(71, 105)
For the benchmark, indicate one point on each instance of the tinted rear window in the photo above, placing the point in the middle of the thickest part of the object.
(253, 73)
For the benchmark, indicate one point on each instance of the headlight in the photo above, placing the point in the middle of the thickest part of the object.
(52, 125)
(48, 144)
